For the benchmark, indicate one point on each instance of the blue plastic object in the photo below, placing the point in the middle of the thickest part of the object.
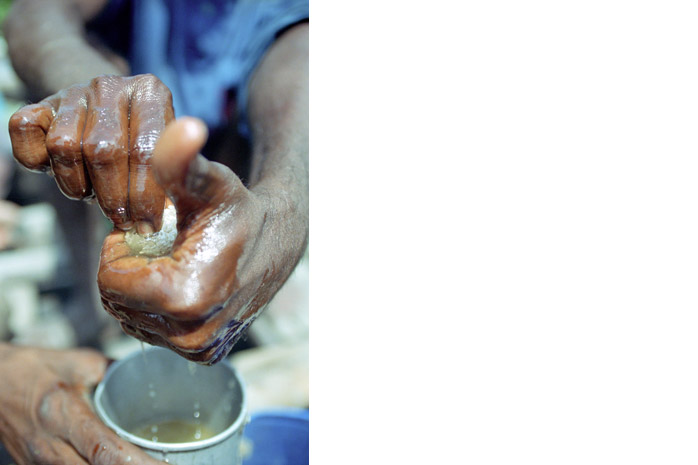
(279, 437)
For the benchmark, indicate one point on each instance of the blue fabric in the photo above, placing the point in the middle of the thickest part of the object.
(279, 437)
(204, 51)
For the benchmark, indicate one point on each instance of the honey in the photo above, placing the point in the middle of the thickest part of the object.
(173, 431)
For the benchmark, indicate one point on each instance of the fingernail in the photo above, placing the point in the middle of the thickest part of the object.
(119, 216)
(157, 223)
(125, 226)
(144, 228)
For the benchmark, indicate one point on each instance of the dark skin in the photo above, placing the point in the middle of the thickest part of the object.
(98, 140)
(236, 243)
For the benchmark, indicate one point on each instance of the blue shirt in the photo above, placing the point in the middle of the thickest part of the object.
(204, 51)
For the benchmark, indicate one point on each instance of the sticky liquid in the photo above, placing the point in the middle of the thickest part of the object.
(156, 244)
(174, 431)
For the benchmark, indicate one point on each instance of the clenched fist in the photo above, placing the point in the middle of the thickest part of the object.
(97, 140)
(234, 247)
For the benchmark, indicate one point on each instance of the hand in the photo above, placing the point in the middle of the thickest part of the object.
(234, 249)
(44, 412)
(97, 140)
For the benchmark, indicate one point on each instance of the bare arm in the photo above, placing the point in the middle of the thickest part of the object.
(48, 46)
(240, 244)
(278, 113)
(235, 246)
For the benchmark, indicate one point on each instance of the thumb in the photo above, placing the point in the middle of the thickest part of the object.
(82, 367)
(190, 180)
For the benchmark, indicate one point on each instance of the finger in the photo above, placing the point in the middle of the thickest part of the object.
(78, 425)
(105, 148)
(124, 277)
(64, 145)
(114, 247)
(28, 128)
(193, 354)
(100, 445)
(191, 181)
(161, 285)
(88, 367)
(44, 449)
(188, 336)
(203, 341)
(65, 454)
(83, 367)
(151, 110)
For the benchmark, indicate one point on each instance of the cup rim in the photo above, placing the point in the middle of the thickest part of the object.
(169, 446)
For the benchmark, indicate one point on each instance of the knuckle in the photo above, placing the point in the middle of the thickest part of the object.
(63, 145)
(25, 118)
(150, 79)
(143, 145)
(156, 84)
(50, 404)
(40, 452)
(165, 91)
(108, 86)
(103, 152)
(98, 83)
(81, 89)
(104, 81)
(19, 120)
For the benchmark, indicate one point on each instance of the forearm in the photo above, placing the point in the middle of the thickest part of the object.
(48, 47)
(278, 115)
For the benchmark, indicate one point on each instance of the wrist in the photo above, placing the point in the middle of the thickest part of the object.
(280, 182)
(280, 166)
(285, 213)
(285, 194)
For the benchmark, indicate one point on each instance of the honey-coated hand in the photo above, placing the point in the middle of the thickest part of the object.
(229, 258)
(97, 140)
(235, 246)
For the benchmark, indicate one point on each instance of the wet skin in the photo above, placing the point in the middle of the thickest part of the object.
(47, 418)
(234, 248)
(198, 299)
(97, 140)
(236, 244)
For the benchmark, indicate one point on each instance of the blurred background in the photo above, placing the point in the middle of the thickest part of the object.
(42, 304)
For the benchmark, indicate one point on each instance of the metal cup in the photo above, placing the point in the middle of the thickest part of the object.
(158, 385)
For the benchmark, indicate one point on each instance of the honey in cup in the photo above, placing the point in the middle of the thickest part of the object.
(158, 394)
(173, 431)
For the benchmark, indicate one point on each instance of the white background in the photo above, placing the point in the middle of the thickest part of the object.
(503, 224)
